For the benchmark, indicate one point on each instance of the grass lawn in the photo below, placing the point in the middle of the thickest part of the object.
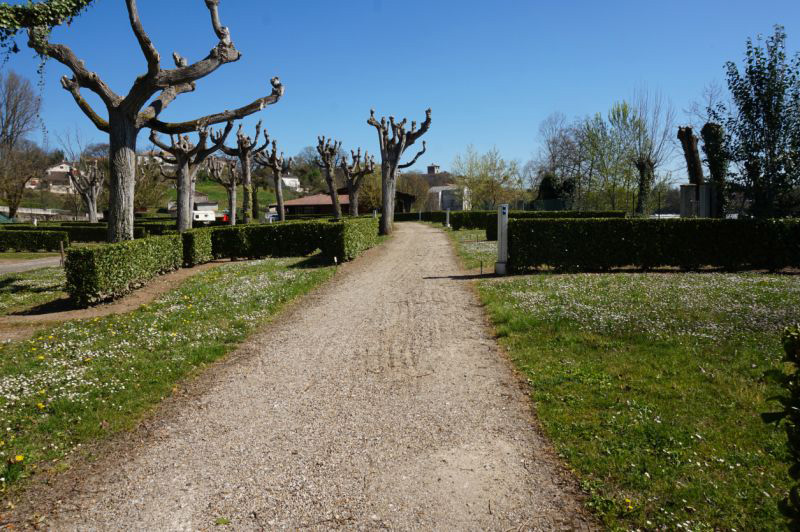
(82, 380)
(473, 248)
(650, 387)
(19, 291)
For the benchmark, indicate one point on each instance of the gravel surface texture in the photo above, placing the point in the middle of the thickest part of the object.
(27, 265)
(381, 400)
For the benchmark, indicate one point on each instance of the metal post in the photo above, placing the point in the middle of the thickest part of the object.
(502, 239)
(447, 219)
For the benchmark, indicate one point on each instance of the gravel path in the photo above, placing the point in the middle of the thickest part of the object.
(380, 401)
(26, 265)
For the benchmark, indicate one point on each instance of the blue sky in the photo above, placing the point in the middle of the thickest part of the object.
(491, 71)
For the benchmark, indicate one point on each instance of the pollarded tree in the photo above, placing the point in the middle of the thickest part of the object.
(186, 158)
(88, 181)
(128, 114)
(328, 150)
(392, 149)
(279, 167)
(354, 175)
(224, 172)
(694, 165)
(245, 150)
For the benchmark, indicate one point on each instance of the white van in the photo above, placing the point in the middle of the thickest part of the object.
(203, 216)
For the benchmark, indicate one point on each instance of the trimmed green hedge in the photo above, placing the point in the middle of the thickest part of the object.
(491, 225)
(197, 247)
(600, 244)
(434, 216)
(33, 240)
(77, 233)
(105, 272)
(348, 239)
(344, 240)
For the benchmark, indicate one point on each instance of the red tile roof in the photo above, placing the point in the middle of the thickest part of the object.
(317, 199)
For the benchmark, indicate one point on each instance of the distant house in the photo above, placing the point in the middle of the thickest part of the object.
(321, 204)
(200, 203)
(446, 197)
(55, 179)
(292, 183)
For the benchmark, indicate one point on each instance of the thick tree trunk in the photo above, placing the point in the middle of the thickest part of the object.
(256, 208)
(122, 162)
(387, 199)
(247, 186)
(232, 204)
(279, 196)
(337, 209)
(694, 166)
(352, 193)
(12, 210)
(185, 198)
(91, 205)
(644, 186)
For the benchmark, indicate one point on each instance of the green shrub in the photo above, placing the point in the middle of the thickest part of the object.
(348, 239)
(344, 240)
(789, 417)
(433, 216)
(491, 225)
(197, 247)
(158, 227)
(112, 270)
(21, 240)
(77, 233)
(600, 244)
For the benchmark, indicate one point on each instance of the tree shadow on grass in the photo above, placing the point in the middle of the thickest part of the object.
(62, 304)
(312, 262)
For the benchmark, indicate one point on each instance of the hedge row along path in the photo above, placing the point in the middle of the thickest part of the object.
(379, 400)
(17, 327)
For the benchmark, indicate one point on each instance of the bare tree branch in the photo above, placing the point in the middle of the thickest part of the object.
(162, 102)
(148, 49)
(225, 116)
(417, 156)
(74, 88)
(37, 39)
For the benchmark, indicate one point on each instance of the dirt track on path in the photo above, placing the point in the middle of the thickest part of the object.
(14, 266)
(381, 400)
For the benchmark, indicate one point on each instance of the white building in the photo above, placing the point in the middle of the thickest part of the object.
(448, 197)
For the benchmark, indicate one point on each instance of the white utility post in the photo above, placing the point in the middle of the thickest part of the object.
(375, 213)
(502, 239)
(447, 220)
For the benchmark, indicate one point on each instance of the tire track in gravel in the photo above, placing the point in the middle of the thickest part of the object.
(381, 400)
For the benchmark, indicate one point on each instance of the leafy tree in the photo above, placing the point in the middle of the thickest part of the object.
(489, 179)
(762, 124)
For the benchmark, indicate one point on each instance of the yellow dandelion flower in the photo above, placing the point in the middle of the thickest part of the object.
(40, 357)
(19, 458)
(40, 406)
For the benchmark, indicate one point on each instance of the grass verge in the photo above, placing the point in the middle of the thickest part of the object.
(473, 249)
(20, 291)
(650, 387)
(83, 380)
